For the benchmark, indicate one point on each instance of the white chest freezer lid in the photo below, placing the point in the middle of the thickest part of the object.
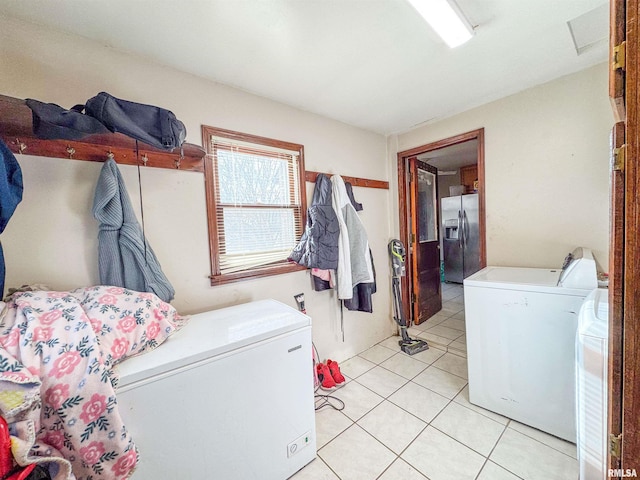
(214, 333)
(593, 320)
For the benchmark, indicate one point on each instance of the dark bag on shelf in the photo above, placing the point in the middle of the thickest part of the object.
(51, 122)
(155, 126)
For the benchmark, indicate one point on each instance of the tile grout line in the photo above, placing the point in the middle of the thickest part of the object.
(453, 400)
(427, 424)
(430, 423)
(542, 443)
(480, 413)
(444, 349)
(375, 439)
(491, 452)
(398, 456)
(425, 427)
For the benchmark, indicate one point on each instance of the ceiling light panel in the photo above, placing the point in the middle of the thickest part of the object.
(446, 18)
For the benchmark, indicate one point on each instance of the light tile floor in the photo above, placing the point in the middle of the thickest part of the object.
(409, 417)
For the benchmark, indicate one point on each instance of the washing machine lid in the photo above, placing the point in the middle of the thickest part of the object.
(213, 333)
(579, 270)
(593, 320)
(541, 280)
(515, 275)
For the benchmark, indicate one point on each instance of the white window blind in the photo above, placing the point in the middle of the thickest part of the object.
(258, 207)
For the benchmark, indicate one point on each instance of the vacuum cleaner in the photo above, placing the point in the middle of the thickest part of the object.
(397, 253)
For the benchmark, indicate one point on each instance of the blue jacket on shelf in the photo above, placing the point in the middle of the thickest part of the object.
(10, 195)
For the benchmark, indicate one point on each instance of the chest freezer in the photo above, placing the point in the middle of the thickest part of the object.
(229, 396)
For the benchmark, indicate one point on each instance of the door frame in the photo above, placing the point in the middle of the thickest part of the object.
(624, 249)
(403, 200)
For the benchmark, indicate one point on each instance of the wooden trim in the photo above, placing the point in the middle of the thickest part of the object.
(402, 158)
(445, 142)
(631, 294)
(267, 271)
(17, 132)
(412, 243)
(617, 35)
(616, 291)
(355, 181)
(210, 195)
(482, 211)
(216, 277)
(403, 209)
(246, 137)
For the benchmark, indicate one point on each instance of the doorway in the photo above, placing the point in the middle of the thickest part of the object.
(453, 159)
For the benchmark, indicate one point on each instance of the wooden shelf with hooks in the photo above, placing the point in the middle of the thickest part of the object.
(16, 131)
(310, 176)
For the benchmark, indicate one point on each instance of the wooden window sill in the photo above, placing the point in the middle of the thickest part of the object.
(256, 273)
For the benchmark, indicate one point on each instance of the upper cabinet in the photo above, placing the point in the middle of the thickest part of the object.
(469, 178)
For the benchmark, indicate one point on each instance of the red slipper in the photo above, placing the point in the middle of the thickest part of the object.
(326, 379)
(335, 371)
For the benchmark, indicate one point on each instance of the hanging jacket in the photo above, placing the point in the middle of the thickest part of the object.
(125, 259)
(318, 247)
(354, 262)
(361, 300)
(10, 195)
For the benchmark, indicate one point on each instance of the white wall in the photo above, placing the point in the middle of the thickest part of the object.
(546, 168)
(51, 238)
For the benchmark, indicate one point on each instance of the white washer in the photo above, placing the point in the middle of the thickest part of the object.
(591, 383)
(521, 328)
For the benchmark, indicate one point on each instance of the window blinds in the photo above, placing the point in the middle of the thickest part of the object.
(258, 207)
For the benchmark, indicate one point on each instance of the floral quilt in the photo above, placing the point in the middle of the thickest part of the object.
(57, 381)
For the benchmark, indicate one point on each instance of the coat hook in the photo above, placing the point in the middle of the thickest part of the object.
(145, 159)
(179, 160)
(71, 151)
(110, 155)
(21, 145)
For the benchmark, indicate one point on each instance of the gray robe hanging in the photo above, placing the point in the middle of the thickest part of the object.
(125, 259)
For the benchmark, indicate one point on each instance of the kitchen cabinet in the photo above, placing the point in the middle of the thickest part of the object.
(469, 175)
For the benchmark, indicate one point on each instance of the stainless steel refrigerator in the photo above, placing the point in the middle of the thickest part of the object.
(461, 236)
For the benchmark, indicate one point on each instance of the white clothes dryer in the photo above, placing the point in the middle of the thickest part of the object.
(592, 385)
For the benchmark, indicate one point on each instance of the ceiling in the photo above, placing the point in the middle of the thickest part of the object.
(452, 157)
(374, 64)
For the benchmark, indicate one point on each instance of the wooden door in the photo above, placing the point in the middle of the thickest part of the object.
(624, 264)
(425, 245)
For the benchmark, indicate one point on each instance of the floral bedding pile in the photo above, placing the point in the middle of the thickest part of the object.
(57, 382)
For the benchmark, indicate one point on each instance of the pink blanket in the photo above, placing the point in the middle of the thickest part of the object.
(57, 353)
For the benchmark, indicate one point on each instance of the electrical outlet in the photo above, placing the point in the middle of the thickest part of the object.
(298, 444)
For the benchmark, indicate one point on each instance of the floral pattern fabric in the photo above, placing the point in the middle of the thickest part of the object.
(57, 382)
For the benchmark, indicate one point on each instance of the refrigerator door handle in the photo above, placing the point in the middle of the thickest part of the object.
(465, 228)
(460, 226)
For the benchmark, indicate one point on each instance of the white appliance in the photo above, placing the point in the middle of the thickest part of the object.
(229, 396)
(521, 326)
(591, 385)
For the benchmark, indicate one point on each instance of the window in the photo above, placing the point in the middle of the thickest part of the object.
(256, 204)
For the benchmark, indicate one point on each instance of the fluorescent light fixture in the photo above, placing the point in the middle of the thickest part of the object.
(446, 19)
